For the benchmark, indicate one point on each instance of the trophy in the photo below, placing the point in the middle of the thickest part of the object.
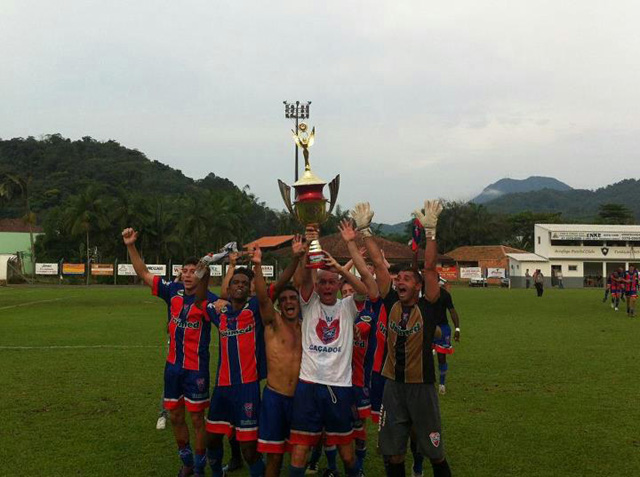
(310, 206)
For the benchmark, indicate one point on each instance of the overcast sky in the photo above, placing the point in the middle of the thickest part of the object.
(411, 99)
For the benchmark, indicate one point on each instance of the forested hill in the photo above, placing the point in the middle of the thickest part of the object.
(512, 186)
(577, 204)
(88, 187)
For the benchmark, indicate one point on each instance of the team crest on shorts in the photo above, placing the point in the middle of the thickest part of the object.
(435, 439)
(328, 332)
(248, 409)
(200, 384)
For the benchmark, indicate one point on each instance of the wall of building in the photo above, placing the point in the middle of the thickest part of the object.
(12, 242)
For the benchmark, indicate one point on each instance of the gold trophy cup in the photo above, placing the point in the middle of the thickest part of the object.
(310, 206)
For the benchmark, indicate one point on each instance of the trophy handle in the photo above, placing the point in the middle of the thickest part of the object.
(334, 186)
(285, 192)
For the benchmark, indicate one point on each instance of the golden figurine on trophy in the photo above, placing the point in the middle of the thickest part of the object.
(310, 206)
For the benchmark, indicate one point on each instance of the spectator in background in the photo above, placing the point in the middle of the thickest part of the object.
(527, 277)
(559, 278)
(538, 280)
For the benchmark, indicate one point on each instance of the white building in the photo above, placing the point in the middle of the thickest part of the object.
(583, 254)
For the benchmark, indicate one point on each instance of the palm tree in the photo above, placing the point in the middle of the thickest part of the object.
(84, 215)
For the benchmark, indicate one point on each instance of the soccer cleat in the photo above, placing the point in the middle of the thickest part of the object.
(162, 422)
(442, 389)
(330, 473)
(185, 472)
(312, 469)
(233, 465)
(415, 474)
(616, 308)
(612, 305)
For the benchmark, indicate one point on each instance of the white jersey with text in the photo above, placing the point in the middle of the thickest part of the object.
(327, 341)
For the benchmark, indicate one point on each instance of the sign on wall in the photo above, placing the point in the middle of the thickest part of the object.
(214, 270)
(470, 272)
(495, 273)
(623, 236)
(73, 268)
(46, 268)
(448, 273)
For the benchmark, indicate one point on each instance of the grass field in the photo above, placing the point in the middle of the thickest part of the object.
(537, 387)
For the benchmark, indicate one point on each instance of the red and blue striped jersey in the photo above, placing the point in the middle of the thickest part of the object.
(633, 277)
(364, 345)
(241, 349)
(380, 353)
(189, 327)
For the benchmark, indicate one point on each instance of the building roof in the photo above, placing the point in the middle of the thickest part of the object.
(17, 225)
(270, 241)
(589, 228)
(475, 253)
(527, 257)
(394, 252)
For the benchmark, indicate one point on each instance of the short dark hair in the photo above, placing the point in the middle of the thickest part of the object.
(415, 272)
(243, 271)
(191, 261)
(288, 287)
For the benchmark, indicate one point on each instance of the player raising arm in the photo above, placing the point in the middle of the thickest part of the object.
(410, 399)
(186, 374)
(284, 351)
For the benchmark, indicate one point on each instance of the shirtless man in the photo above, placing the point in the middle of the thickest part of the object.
(283, 340)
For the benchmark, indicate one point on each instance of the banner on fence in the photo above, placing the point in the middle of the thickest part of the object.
(46, 268)
(267, 270)
(126, 270)
(73, 268)
(104, 269)
(448, 273)
(157, 269)
(470, 272)
(215, 270)
(495, 273)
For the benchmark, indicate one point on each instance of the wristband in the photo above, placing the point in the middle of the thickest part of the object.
(430, 232)
(458, 330)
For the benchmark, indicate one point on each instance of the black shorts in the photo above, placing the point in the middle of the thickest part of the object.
(410, 406)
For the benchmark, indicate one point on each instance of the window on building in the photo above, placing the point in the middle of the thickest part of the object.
(616, 243)
(538, 240)
(634, 243)
(573, 268)
(593, 243)
(566, 243)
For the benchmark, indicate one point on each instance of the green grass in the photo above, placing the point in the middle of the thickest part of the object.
(537, 387)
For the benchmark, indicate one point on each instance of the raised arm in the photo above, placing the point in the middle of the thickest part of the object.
(349, 236)
(297, 252)
(224, 289)
(362, 214)
(129, 236)
(306, 278)
(266, 305)
(357, 284)
(429, 220)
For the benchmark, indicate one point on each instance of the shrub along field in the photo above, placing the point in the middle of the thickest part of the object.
(537, 386)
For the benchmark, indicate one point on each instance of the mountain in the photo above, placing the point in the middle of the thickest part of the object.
(577, 204)
(386, 229)
(510, 186)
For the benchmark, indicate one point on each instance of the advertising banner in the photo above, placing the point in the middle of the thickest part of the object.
(267, 270)
(495, 273)
(73, 268)
(470, 272)
(157, 269)
(622, 236)
(126, 270)
(175, 269)
(448, 273)
(46, 268)
(215, 270)
(104, 269)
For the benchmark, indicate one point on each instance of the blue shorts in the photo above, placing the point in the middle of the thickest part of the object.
(235, 408)
(377, 388)
(183, 387)
(318, 408)
(276, 411)
(442, 345)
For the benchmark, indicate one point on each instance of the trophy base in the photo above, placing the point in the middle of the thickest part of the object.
(315, 260)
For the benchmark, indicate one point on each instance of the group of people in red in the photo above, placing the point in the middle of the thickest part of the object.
(329, 362)
(623, 286)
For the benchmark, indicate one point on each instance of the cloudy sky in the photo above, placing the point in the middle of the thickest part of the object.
(410, 99)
